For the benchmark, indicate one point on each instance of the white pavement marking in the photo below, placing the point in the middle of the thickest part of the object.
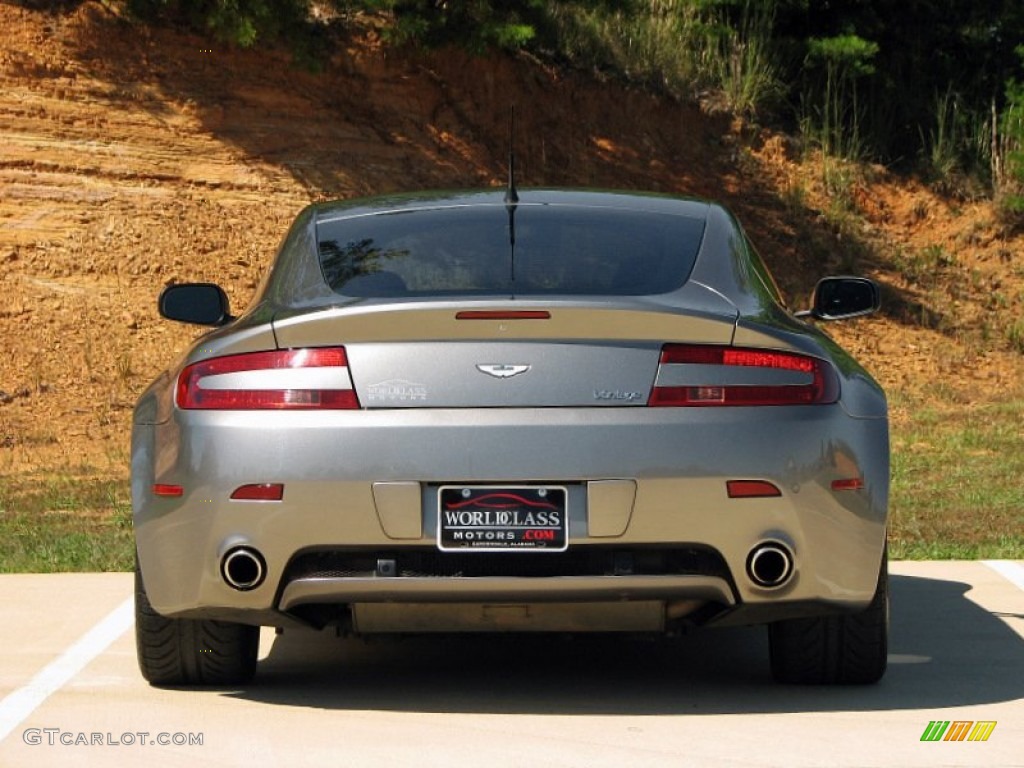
(19, 704)
(1009, 570)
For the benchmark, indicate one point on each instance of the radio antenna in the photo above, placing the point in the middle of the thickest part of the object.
(511, 202)
(511, 196)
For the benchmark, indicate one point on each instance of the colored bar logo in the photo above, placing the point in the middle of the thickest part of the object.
(958, 730)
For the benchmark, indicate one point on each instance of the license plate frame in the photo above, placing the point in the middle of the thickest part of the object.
(502, 518)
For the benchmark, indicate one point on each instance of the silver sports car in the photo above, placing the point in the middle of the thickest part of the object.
(557, 411)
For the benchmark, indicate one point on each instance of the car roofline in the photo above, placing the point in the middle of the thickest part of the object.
(689, 207)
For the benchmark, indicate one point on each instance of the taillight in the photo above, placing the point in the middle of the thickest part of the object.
(690, 375)
(278, 379)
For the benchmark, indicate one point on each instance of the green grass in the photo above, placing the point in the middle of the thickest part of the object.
(956, 494)
(956, 483)
(65, 523)
(677, 46)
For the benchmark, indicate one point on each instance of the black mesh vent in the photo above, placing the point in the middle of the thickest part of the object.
(579, 561)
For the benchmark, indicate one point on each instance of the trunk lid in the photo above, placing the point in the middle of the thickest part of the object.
(574, 355)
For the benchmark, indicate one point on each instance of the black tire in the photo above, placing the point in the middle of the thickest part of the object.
(849, 649)
(191, 651)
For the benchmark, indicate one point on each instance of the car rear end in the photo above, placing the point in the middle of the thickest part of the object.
(554, 454)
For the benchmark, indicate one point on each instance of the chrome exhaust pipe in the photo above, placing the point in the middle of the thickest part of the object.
(770, 564)
(243, 568)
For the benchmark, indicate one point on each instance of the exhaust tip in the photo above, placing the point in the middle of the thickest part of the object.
(243, 568)
(770, 564)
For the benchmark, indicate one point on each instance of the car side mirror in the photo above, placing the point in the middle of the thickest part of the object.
(196, 303)
(840, 298)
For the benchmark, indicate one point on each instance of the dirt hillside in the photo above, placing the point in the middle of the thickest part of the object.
(131, 158)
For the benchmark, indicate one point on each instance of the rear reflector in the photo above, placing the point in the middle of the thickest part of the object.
(519, 314)
(694, 375)
(848, 484)
(259, 492)
(752, 489)
(170, 491)
(279, 379)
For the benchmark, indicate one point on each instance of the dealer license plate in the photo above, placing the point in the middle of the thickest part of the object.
(499, 518)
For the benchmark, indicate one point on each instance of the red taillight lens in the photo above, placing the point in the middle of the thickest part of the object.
(692, 375)
(278, 379)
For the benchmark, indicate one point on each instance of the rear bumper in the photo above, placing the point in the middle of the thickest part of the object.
(674, 463)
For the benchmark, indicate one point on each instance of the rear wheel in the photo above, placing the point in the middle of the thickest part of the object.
(191, 651)
(850, 649)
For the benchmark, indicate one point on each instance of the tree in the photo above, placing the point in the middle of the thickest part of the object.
(473, 24)
(237, 22)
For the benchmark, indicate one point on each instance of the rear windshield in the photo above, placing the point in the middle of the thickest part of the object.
(488, 251)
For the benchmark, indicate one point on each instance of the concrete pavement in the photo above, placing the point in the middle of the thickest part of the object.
(70, 692)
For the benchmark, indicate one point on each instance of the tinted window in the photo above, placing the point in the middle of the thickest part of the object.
(470, 251)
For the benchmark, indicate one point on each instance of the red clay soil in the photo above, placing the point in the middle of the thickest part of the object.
(131, 158)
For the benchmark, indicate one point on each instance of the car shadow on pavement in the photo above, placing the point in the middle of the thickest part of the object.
(945, 651)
